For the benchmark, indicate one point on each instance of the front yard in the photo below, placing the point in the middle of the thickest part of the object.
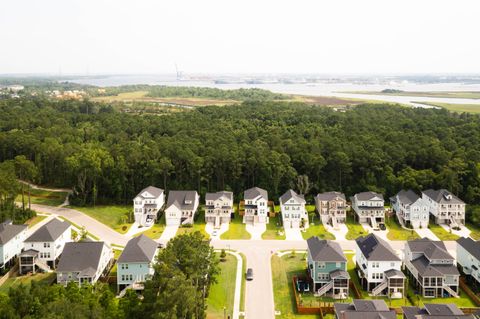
(198, 224)
(274, 228)
(236, 229)
(396, 232)
(441, 233)
(317, 228)
(35, 220)
(355, 229)
(475, 231)
(222, 293)
(156, 230)
(42, 197)
(114, 216)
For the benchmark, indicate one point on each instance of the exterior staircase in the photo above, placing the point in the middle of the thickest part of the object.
(373, 222)
(325, 289)
(334, 223)
(453, 222)
(43, 266)
(451, 291)
(217, 223)
(378, 289)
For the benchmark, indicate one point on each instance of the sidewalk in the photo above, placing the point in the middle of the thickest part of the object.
(425, 232)
(209, 229)
(168, 233)
(463, 232)
(293, 234)
(256, 230)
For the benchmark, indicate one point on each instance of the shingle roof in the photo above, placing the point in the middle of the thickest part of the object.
(434, 311)
(9, 231)
(376, 249)
(328, 196)
(50, 231)
(368, 196)
(254, 192)
(325, 250)
(424, 268)
(364, 309)
(291, 194)
(431, 249)
(155, 191)
(394, 273)
(179, 198)
(440, 196)
(442, 309)
(139, 249)
(470, 245)
(83, 257)
(217, 195)
(339, 273)
(407, 197)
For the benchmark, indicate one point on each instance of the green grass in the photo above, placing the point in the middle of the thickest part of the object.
(114, 216)
(274, 228)
(236, 229)
(458, 108)
(156, 230)
(475, 231)
(35, 220)
(441, 233)
(317, 228)
(463, 302)
(198, 225)
(244, 286)
(440, 94)
(222, 293)
(355, 229)
(79, 227)
(396, 232)
(42, 278)
(42, 197)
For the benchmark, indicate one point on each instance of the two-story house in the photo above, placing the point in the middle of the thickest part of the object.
(364, 309)
(218, 208)
(369, 207)
(294, 214)
(256, 206)
(135, 264)
(445, 207)
(332, 208)
(11, 242)
(468, 257)
(45, 245)
(147, 204)
(327, 268)
(431, 268)
(379, 268)
(410, 209)
(435, 311)
(181, 207)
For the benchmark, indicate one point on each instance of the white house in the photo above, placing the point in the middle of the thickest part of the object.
(11, 242)
(181, 207)
(379, 268)
(84, 262)
(218, 208)
(332, 207)
(147, 204)
(445, 207)
(468, 257)
(135, 264)
(45, 245)
(411, 209)
(294, 214)
(369, 207)
(256, 206)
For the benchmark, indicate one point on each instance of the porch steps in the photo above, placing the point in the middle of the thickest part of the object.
(325, 289)
(374, 222)
(334, 223)
(43, 266)
(380, 287)
(451, 291)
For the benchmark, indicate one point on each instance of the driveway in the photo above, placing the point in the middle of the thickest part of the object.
(209, 228)
(135, 229)
(463, 232)
(168, 233)
(293, 234)
(340, 232)
(256, 230)
(380, 233)
(425, 232)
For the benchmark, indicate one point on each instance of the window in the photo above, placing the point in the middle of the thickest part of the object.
(321, 265)
(375, 264)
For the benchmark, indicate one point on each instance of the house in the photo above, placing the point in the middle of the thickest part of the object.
(218, 208)
(369, 207)
(435, 311)
(181, 207)
(294, 214)
(45, 245)
(378, 267)
(147, 204)
(135, 264)
(327, 268)
(256, 206)
(411, 209)
(364, 309)
(11, 242)
(332, 208)
(445, 207)
(468, 257)
(431, 268)
(84, 262)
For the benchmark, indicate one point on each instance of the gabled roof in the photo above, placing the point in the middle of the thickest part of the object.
(139, 249)
(291, 194)
(376, 249)
(255, 192)
(443, 196)
(50, 231)
(364, 309)
(394, 273)
(425, 268)
(155, 191)
(325, 250)
(470, 245)
(368, 196)
(407, 197)
(83, 257)
(218, 195)
(180, 199)
(328, 196)
(9, 231)
(431, 249)
(434, 311)
(339, 273)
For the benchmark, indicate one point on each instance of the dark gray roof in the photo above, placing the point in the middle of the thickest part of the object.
(434, 311)
(376, 249)
(442, 309)
(364, 309)
(83, 257)
(155, 191)
(254, 192)
(368, 196)
(424, 268)
(328, 196)
(291, 194)
(325, 250)
(9, 231)
(339, 273)
(470, 245)
(431, 249)
(180, 199)
(407, 197)
(139, 249)
(394, 273)
(50, 231)
(217, 195)
(442, 195)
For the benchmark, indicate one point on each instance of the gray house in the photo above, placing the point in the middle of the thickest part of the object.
(468, 257)
(410, 209)
(434, 311)
(364, 309)
(11, 242)
(327, 268)
(431, 268)
(445, 207)
(256, 206)
(181, 207)
(369, 208)
(218, 208)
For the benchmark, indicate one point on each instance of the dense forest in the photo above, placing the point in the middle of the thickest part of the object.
(108, 156)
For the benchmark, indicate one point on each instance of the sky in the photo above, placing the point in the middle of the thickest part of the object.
(239, 36)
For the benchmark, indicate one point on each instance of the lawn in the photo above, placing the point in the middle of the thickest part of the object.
(35, 220)
(236, 229)
(475, 231)
(274, 228)
(244, 286)
(441, 233)
(156, 230)
(42, 278)
(355, 229)
(396, 232)
(316, 228)
(223, 292)
(42, 197)
(463, 302)
(114, 216)
(458, 108)
(198, 225)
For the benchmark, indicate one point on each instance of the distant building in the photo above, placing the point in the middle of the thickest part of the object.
(445, 207)
(218, 208)
(435, 311)
(364, 309)
(11, 242)
(411, 209)
(256, 206)
(369, 207)
(181, 207)
(294, 214)
(332, 208)
(147, 204)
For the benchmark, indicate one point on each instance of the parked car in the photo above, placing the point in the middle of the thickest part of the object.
(249, 275)
(382, 227)
(214, 233)
(303, 286)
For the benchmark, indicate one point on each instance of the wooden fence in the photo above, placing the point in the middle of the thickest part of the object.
(469, 292)
(9, 274)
